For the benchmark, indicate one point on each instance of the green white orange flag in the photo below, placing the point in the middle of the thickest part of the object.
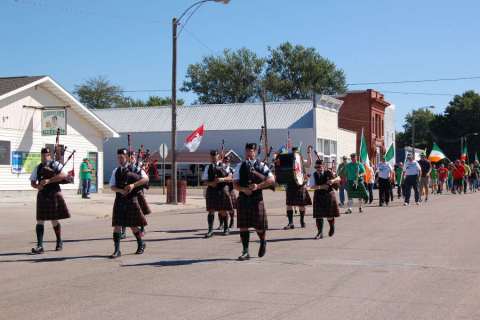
(436, 154)
(364, 151)
(464, 154)
(390, 153)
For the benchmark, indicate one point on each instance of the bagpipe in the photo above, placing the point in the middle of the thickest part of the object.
(144, 159)
(58, 153)
(335, 185)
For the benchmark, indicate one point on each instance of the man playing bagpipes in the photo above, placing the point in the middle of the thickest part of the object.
(355, 171)
(218, 198)
(297, 195)
(126, 209)
(46, 178)
(231, 189)
(325, 204)
(250, 178)
(136, 166)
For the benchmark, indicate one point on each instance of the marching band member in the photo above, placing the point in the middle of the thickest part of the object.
(126, 208)
(325, 203)
(355, 172)
(298, 196)
(250, 178)
(50, 203)
(218, 197)
(231, 189)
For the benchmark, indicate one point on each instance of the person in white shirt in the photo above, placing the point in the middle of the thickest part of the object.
(411, 172)
(384, 171)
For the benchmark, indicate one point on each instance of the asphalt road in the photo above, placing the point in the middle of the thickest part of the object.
(417, 262)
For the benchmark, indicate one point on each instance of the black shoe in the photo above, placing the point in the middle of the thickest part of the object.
(331, 232)
(209, 234)
(380, 205)
(319, 236)
(116, 254)
(289, 226)
(59, 246)
(302, 224)
(141, 249)
(226, 232)
(230, 226)
(263, 249)
(244, 256)
(38, 250)
(123, 235)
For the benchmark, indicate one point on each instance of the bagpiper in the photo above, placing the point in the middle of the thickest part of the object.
(325, 203)
(231, 189)
(126, 209)
(218, 198)
(297, 195)
(46, 178)
(250, 178)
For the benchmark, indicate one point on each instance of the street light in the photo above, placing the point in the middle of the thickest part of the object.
(175, 23)
(413, 126)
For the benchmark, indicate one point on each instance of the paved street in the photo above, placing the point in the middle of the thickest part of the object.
(386, 263)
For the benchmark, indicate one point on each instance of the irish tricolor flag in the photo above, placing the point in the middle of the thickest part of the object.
(464, 154)
(193, 140)
(436, 154)
(364, 151)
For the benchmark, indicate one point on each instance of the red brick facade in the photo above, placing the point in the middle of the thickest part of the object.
(365, 110)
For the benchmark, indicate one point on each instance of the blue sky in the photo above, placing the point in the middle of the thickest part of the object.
(130, 41)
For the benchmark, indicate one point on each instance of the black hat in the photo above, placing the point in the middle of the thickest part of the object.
(318, 162)
(353, 155)
(251, 146)
(122, 151)
(45, 150)
(294, 149)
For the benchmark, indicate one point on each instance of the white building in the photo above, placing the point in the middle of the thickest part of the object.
(24, 102)
(236, 124)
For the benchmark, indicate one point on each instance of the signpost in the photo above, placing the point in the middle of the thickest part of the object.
(163, 151)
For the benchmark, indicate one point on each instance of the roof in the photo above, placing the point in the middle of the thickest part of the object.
(13, 85)
(236, 116)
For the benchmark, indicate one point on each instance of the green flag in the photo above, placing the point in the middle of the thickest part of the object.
(364, 151)
(390, 153)
(464, 154)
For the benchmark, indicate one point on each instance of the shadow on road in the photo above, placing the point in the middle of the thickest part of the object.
(58, 259)
(290, 239)
(173, 263)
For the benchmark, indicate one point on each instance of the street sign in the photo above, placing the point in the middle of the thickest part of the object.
(163, 150)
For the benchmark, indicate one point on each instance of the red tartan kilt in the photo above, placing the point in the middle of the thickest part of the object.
(142, 202)
(127, 213)
(251, 213)
(298, 196)
(233, 196)
(325, 204)
(218, 200)
(51, 207)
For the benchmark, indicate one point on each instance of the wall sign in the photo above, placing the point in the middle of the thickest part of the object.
(53, 120)
(25, 162)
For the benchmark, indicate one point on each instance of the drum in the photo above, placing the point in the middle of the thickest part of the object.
(289, 169)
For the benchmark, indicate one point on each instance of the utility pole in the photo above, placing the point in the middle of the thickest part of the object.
(174, 111)
(264, 104)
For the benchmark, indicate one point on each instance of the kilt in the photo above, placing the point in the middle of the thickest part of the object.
(143, 204)
(251, 213)
(218, 200)
(325, 204)
(233, 196)
(51, 206)
(127, 212)
(359, 192)
(297, 196)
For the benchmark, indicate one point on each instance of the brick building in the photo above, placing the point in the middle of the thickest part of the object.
(365, 109)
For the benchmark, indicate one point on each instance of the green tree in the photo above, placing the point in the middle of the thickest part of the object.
(99, 93)
(422, 119)
(460, 118)
(155, 101)
(227, 78)
(129, 102)
(293, 72)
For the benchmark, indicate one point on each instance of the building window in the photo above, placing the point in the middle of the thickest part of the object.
(327, 150)
(4, 152)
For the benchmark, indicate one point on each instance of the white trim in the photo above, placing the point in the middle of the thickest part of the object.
(106, 129)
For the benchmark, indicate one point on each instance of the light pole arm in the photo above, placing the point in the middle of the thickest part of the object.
(198, 3)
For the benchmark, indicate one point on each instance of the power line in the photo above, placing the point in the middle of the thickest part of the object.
(420, 93)
(414, 81)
